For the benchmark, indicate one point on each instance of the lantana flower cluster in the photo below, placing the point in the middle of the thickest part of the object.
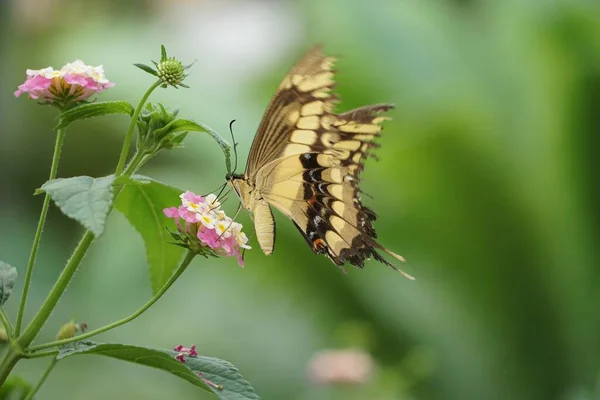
(74, 82)
(203, 218)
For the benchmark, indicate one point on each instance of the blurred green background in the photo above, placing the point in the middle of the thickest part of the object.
(488, 184)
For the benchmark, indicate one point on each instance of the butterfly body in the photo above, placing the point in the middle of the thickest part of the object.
(306, 160)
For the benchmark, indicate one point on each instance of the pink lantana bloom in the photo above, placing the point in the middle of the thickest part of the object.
(202, 222)
(73, 83)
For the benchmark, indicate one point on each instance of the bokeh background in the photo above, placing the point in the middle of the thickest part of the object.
(488, 183)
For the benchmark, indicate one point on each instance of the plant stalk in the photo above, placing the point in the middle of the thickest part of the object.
(60, 138)
(7, 325)
(130, 129)
(12, 356)
(49, 369)
(57, 290)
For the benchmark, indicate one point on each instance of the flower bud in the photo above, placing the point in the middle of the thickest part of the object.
(171, 71)
(70, 329)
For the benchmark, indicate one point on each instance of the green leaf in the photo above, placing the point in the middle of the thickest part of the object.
(8, 276)
(91, 110)
(191, 126)
(15, 388)
(142, 202)
(147, 69)
(219, 372)
(83, 198)
(163, 53)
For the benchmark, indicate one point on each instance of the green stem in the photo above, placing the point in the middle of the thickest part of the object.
(189, 257)
(7, 325)
(132, 123)
(57, 290)
(40, 354)
(134, 164)
(60, 137)
(42, 379)
(11, 358)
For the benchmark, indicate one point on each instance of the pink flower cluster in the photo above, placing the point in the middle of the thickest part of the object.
(183, 352)
(73, 83)
(204, 218)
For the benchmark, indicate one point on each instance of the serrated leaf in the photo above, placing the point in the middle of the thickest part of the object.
(132, 180)
(147, 69)
(15, 388)
(143, 204)
(83, 198)
(219, 372)
(91, 110)
(192, 126)
(8, 276)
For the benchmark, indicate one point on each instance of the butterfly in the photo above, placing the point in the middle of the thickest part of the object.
(306, 160)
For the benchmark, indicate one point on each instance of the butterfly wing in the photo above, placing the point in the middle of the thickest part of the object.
(303, 95)
(306, 160)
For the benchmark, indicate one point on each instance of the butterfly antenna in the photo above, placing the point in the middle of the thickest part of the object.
(220, 200)
(249, 239)
(234, 145)
(232, 220)
(220, 188)
(221, 191)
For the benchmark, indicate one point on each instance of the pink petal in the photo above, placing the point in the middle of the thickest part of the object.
(171, 212)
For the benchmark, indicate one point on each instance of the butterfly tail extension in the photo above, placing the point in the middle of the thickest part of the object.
(398, 257)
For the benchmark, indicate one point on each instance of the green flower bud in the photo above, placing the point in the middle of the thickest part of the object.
(171, 71)
(70, 329)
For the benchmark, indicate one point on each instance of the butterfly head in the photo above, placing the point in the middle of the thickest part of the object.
(242, 188)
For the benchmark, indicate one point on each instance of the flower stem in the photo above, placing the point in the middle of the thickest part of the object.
(49, 369)
(60, 137)
(10, 359)
(132, 123)
(7, 325)
(57, 290)
(188, 258)
(40, 354)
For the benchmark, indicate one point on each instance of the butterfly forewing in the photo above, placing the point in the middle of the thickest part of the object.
(301, 98)
(306, 160)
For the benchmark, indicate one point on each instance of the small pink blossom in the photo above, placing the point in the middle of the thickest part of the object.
(171, 212)
(206, 222)
(74, 82)
(187, 351)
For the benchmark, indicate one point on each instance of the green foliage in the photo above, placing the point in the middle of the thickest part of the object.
(83, 198)
(219, 372)
(146, 68)
(8, 276)
(15, 388)
(142, 202)
(91, 110)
